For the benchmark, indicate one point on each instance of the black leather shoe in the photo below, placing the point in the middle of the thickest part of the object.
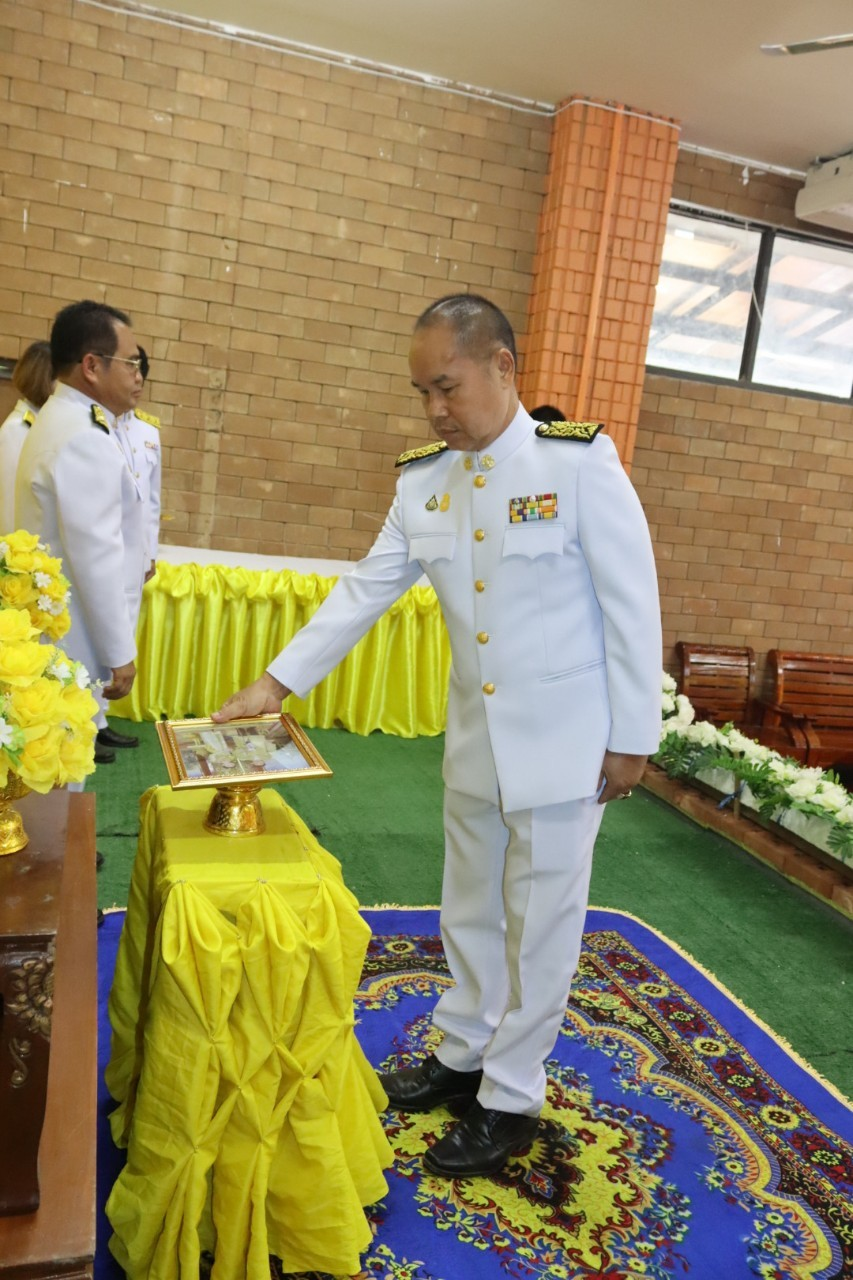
(111, 738)
(481, 1143)
(428, 1085)
(103, 755)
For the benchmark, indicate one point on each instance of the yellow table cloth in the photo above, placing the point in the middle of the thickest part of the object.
(246, 1104)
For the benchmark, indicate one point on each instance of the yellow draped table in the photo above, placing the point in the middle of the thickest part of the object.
(207, 630)
(248, 1109)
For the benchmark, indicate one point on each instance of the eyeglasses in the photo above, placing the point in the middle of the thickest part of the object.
(135, 362)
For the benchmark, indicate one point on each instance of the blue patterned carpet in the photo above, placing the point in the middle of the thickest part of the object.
(679, 1138)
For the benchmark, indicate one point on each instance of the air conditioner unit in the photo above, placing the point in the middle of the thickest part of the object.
(827, 196)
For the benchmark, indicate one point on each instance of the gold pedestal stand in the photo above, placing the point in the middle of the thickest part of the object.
(13, 837)
(235, 810)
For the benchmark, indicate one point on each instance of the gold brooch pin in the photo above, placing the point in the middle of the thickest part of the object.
(432, 505)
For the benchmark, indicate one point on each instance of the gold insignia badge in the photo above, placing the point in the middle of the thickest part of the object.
(28, 417)
(432, 505)
(468, 463)
(487, 461)
(584, 432)
(444, 505)
(99, 418)
(418, 455)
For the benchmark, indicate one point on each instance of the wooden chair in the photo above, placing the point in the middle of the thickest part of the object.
(815, 691)
(719, 681)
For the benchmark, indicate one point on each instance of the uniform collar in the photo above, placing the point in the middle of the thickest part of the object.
(64, 392)
(510, 439)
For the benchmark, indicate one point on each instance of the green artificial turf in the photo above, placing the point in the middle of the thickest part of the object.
(784, 954)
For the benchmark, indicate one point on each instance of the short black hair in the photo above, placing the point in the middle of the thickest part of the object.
(82, 327)
(144, 363)
(548, 413)
(479, 326)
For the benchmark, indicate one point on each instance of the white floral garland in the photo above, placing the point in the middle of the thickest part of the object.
(689, 746)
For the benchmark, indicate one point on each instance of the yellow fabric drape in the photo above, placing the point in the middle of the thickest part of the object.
(207, 630)
(247, 1107)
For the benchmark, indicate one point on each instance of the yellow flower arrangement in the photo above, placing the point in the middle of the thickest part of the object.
(47, 730)
(30, 579)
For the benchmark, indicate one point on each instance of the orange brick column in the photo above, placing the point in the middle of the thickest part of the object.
(600, 242)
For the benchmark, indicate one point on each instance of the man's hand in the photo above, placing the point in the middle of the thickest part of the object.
(619, 773)
(150, 574)
(263, 696)
(122, 681)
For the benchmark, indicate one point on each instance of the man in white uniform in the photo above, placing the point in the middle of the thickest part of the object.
(539, 552)
(74, 489)
(33, 380)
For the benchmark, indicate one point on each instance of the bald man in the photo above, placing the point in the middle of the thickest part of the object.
(539, 552)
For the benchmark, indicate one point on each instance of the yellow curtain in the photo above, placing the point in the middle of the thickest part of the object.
(207, 630)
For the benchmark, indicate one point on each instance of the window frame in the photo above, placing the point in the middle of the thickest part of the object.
(768, 233)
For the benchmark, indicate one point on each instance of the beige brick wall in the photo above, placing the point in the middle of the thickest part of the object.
(749, 495)
(273, 225)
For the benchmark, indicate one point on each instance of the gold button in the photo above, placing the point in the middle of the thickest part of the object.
(488, 688)
(479, 482)
(467, 464)
(479, 585)
(483, 637)
(479, 534)
(488, 461)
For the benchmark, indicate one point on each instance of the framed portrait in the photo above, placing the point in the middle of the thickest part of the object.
(269, 748)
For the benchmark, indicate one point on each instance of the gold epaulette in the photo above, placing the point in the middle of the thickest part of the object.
(585, 432)
(147, 417)
(99, 418)
(418, 455)
(28, 417)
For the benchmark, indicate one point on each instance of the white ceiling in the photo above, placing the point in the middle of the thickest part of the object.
(696, 60)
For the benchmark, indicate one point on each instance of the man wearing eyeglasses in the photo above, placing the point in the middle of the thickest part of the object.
(74, 489)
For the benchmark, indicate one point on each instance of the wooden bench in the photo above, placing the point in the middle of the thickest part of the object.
(719, 681)
(814, 691)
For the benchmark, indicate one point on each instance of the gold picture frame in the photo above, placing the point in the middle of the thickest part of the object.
(237, 758)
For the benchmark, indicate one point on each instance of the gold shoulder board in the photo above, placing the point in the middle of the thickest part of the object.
(99, 418)
(147, 417)
(585, 432)
(418, 455)
(28, 417)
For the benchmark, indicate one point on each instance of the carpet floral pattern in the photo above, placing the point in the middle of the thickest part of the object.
(666, 1147)
(679, 1138)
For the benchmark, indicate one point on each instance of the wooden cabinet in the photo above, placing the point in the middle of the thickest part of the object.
(48, 1042)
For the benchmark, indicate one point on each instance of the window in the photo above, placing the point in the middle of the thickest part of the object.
(740, 304)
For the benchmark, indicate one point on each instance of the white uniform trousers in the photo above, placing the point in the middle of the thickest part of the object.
(514, 901)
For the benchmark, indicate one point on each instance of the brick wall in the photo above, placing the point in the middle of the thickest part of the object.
(748, 493)
(274, 225)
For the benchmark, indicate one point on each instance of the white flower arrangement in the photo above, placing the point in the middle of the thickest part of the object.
(772, 783)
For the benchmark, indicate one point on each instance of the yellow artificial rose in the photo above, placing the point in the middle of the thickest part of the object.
(36, 703)
(20, 540)
(15, 625)
(22, 561)
(57, 589)
(23, 662)
(77, 707)
(17, 590)
(53, 625)
(76, 757)
(39, 762)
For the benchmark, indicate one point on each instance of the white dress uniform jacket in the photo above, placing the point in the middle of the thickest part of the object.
(554, 621)
(75, 490)
(138, 436)
(13, 433)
